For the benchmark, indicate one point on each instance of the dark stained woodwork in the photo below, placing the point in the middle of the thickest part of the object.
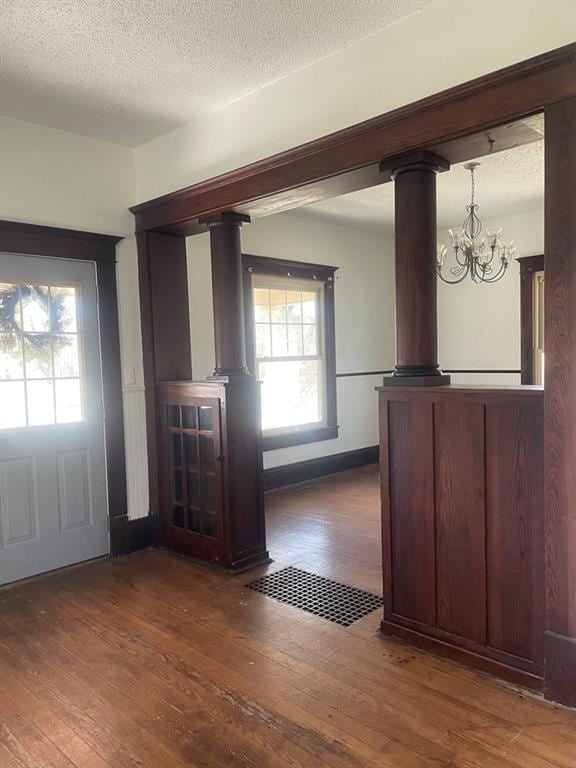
(453, 123)
(305, 271)
(462, 497)
(411, 510)
(415, 269)
(529, 265)
(214, 509)
(560, 402)
(515, 529)
(34, 240)
(460, 519)
(165, 324)
(228, 294)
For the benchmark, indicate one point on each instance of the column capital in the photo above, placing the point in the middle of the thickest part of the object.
(225, 217)
(415, 161)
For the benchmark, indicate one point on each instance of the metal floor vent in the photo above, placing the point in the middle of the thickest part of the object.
(315, 594)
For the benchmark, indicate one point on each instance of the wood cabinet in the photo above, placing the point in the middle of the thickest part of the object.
(210, 506)
(462, 513)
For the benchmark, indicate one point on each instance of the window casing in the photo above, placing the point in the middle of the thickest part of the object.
(538, 330)
(532, 319)
(290, 348)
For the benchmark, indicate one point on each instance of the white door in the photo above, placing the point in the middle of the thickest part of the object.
(53, 495)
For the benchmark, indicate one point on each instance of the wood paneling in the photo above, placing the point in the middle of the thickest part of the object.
(514, 529)
(462, 496)
(411, 473)
(560, 398)
(460, 519)
(165, 324)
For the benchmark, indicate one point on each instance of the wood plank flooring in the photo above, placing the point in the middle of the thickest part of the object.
(152, 661)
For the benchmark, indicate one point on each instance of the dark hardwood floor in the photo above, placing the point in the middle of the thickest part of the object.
(152, 661)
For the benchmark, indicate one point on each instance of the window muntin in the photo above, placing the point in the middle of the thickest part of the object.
(289, 351)
(41, 376)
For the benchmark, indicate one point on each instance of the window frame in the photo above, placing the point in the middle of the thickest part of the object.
(530, 268)
(262, 265)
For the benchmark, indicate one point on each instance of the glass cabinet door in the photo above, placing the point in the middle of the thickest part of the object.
(194, 466)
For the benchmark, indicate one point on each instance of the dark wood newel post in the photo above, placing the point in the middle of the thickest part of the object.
(227, 294)
(415, 239)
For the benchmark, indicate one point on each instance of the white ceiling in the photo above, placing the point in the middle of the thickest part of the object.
(129, 70)
(508, 182)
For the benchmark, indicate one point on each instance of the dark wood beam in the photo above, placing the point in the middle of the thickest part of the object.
(455, 123)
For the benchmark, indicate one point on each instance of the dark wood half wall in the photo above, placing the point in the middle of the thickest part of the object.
(34, 240)
(462, 517)
(455, 124)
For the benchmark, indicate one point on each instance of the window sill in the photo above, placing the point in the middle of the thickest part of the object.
(288, 439)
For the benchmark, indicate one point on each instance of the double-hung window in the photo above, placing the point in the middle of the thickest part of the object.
(290, 332)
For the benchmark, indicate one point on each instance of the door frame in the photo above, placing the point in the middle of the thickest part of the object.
(35, 240)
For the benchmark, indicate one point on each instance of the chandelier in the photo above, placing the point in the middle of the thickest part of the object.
(484, 259)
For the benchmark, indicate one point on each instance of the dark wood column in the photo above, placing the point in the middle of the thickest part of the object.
(416, 242)
(228, 294)
(560, 403)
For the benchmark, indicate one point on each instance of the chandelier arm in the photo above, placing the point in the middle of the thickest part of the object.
(501, 272)
(452, 282)
(462, 263)
(458, 270)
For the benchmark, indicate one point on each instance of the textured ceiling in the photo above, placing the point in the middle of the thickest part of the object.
(130, 70)
(508, 182)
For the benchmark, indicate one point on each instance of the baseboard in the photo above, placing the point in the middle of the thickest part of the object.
(301, 471)
(560, 669)
(140, 533)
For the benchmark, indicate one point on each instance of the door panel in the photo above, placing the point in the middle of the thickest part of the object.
(53, 500)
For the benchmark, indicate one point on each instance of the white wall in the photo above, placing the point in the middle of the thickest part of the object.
(479, 325)
(414, 58)
(60, 179)
(364, 309)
